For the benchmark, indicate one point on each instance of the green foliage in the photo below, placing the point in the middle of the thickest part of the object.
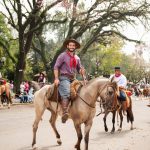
(102, 59)
(8, 48)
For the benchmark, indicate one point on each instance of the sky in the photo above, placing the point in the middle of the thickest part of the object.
(138, 33)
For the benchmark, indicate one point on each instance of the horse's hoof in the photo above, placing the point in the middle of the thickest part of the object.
(106, 129)
(77, 147)
(132, 128)
(34, 147)
(112, 131)
(59, 141)
(119, 129)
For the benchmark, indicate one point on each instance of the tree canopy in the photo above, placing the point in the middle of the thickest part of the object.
(33, 21)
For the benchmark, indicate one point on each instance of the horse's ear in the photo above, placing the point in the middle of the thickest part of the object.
(112, 79)
(115, 86)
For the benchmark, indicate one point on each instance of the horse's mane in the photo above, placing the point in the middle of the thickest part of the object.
(97, 79)
(35, 85)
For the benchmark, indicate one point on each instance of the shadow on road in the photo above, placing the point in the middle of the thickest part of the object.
(39, 148)
(109, 135)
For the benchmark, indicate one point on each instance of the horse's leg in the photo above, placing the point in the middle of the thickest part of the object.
(1, 104)
(113, 121)
(121, 119)
(39, 113)
(53, 124)
(79, 134)
(88, 126)
(8, 97)
(104, 119)
(8, 101)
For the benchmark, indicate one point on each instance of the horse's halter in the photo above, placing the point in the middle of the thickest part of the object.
(104, 102)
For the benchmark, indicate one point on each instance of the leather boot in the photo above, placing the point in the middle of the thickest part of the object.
(65, 115)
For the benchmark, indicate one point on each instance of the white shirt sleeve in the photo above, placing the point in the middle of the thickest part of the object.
(123, 81)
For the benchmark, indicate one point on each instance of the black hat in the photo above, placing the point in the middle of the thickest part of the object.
(117, 68)
(71, 40)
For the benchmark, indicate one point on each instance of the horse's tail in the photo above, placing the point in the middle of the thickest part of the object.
(130, 116)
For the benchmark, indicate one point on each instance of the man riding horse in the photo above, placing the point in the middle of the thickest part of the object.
(65, 69)
(122, 83)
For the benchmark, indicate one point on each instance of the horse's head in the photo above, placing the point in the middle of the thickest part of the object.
(108, 95)
(35, 85)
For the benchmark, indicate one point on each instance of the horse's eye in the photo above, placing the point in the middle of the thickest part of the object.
(110, 92)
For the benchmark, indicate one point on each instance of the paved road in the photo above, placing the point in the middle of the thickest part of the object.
(16, 131)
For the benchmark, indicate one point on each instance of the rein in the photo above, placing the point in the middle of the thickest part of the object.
(85, 101)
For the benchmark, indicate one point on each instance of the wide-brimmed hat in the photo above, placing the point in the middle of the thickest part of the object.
(71, 40)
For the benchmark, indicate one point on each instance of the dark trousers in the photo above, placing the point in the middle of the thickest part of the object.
(122, 96)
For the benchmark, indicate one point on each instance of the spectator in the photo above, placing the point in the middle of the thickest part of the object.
(30, 94)
(26, 87)
(41, 79)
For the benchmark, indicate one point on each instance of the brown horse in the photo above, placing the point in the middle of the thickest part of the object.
(113, 106)
(81, 111)
(5, 89)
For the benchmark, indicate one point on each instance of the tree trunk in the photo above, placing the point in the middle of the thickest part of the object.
(19, 74)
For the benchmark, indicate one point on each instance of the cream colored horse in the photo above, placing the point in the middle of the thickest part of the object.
(81, 111)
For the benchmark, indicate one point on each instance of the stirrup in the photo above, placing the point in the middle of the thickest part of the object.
(65, 117)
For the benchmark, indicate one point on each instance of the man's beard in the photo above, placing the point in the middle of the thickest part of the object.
(71, 50)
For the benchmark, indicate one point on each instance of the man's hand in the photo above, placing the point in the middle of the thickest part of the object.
(56, 81)
(121, 87)
(82, 71)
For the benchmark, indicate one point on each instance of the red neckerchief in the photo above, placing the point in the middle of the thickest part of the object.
(117, 75)
(73, 62)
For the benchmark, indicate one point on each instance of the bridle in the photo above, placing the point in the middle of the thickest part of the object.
(103, 101)
(99, 93)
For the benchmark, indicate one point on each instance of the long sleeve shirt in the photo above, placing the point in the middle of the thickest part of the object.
(63, 64)
(121, 80)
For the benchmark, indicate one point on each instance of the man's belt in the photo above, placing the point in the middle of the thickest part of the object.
(68, 76)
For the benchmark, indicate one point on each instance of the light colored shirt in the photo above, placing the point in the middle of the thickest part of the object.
(121, 80)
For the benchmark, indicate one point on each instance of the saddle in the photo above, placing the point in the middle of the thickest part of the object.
(52, 93)
(75, 87)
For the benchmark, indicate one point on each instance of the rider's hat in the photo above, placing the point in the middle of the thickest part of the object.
(71, 40)
(41, 73)
(117, 68)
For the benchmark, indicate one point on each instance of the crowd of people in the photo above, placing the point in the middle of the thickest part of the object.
(26, 92)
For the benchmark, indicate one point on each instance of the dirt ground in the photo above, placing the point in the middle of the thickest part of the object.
(16, 131)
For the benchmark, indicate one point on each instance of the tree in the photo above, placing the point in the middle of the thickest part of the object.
(27, 19)
(6, 43)
(102, 59)
(102, 19)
